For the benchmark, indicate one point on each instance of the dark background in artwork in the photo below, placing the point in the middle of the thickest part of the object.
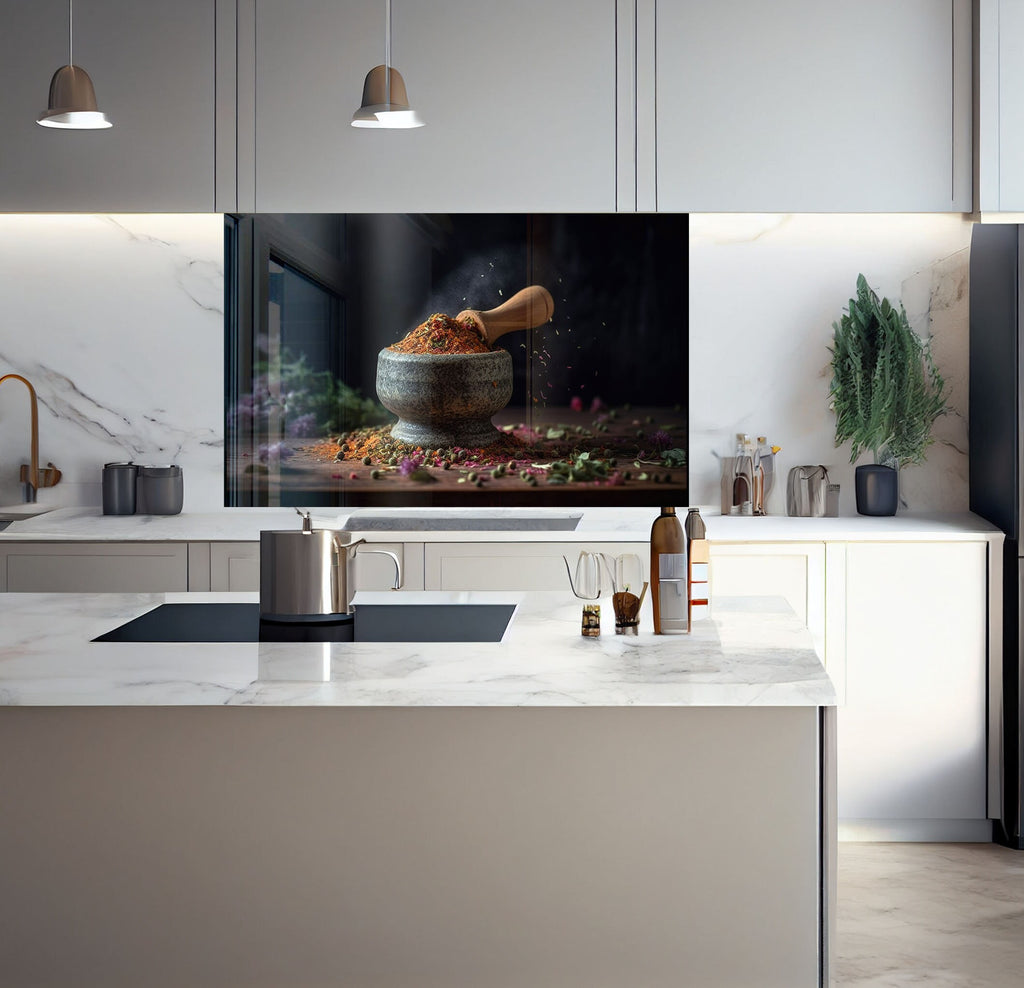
(619, 282)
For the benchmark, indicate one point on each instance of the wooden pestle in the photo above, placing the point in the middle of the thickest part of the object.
(527, 309)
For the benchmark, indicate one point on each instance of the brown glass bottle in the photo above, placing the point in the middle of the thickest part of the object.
(668, 573)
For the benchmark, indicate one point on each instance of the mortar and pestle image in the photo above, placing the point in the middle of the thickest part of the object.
(448, 399)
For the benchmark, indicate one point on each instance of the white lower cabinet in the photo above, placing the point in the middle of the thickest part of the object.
(792, 570)
(94, 567)
(514, 565)
(236, 566)
(912, 733)
(901, 628)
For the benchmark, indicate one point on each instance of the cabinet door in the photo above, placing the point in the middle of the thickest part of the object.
(514, 565)
(153, 69)
(236, 566)
(1000, 105)
(518, 100)
(911, 735)
(800, 105)
(95, 567)
(794, 571)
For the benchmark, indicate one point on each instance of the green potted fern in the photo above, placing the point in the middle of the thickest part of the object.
(886, 393)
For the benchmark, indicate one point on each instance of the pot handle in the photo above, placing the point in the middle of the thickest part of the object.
(340, 547)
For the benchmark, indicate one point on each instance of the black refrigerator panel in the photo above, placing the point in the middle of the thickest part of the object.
(1007, 829)
(994, 420)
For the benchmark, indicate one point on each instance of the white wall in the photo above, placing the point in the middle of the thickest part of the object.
(764, 292)
(118, 322)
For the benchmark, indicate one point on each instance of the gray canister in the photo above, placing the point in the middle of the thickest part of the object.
(160, 490)
(119, 481)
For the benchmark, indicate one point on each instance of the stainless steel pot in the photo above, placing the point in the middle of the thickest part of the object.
(306, 573)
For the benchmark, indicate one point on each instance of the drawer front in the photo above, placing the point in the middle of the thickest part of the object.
(96, 568)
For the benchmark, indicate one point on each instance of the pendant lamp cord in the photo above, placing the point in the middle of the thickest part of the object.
(387, 52)
(71, 32)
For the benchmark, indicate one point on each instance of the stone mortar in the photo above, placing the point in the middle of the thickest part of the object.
(444, 399)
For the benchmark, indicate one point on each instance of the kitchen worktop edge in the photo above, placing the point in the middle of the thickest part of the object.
(596, 525)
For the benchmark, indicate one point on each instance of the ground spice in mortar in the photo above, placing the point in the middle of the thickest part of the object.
(441, 334)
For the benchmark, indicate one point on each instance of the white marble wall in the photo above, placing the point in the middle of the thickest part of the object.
(764, 292)
(118, 322)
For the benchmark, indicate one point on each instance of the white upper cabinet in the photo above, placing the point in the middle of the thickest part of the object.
(577, 105)
(518, 99)
(152, 65)
(799, 105)
(1000, 106)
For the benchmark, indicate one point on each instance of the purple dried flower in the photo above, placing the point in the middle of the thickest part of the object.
(274, 451)
(304, 425)
(661, 439)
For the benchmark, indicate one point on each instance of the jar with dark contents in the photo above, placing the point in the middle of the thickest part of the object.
(591, 627)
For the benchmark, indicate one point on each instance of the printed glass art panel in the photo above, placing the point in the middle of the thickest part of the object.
(514, 359)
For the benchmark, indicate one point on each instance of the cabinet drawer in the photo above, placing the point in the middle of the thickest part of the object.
(236, 566)
(95, 567)
(513, 565)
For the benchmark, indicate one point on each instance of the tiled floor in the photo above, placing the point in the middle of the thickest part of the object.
(942, 915)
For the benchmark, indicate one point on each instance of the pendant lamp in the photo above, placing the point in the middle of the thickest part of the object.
(385, 103)
(72, 104)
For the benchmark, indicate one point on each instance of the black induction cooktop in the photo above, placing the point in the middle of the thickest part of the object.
(235, 622)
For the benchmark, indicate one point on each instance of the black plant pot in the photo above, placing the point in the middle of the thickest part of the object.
(878, 489)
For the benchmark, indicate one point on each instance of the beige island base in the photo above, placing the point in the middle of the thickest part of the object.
(505, 815)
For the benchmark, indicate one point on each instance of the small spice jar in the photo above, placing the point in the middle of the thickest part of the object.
(591, 627)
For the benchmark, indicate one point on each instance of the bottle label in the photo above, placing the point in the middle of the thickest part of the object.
(672, 566)
(672, 601)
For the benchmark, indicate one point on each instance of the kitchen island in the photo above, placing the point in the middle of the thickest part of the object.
(544, 810)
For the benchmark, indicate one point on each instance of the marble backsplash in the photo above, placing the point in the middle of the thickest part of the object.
(764, 292)
(118, 322)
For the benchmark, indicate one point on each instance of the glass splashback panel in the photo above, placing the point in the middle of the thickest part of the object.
(329, 402)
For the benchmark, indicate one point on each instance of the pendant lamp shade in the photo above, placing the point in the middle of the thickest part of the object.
(72, 103)
(377, 109)
(385, 103)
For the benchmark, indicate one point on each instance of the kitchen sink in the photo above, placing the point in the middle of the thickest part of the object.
(240, 622)
(19, 512)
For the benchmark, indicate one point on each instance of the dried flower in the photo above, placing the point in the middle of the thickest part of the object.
(274, 451)
(304, 425)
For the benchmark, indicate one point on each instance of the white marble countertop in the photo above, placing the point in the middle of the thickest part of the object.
(751, 652)
(595, 524)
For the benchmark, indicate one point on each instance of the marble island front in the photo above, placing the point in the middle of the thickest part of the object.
(543, 810)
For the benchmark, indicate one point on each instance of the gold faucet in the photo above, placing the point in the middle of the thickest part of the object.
(30, 476)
